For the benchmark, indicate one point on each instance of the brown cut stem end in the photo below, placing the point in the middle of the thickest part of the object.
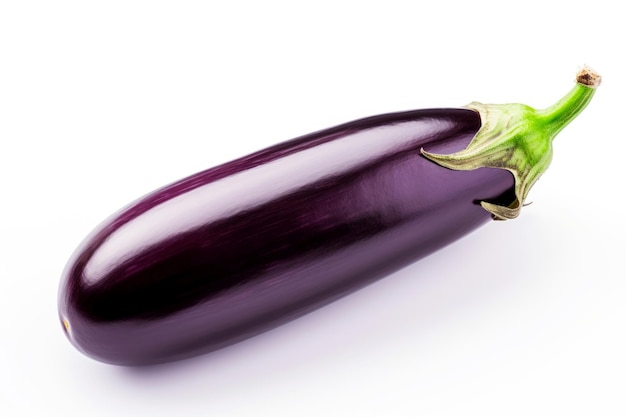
(588, 77)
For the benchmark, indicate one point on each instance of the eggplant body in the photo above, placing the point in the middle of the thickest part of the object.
(243, 247)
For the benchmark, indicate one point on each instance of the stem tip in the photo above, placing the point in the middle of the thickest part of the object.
(588, 77)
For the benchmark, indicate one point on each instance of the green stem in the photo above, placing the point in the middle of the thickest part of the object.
(519, 138)
(559, 115)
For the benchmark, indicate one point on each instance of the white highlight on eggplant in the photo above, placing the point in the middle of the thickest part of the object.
(219, 199)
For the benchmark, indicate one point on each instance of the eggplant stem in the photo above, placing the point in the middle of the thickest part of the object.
(518, 138)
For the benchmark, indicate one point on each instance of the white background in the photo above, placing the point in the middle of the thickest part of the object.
(101, 102)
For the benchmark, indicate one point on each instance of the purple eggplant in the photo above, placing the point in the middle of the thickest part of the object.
(238, 249)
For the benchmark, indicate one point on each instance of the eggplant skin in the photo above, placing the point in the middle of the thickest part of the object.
(238, 249)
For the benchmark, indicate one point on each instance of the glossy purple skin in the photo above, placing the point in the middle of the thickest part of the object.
(243, 247)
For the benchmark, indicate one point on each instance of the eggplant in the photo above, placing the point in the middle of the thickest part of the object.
(240, 248)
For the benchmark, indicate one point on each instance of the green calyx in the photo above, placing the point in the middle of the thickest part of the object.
(519, 138)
